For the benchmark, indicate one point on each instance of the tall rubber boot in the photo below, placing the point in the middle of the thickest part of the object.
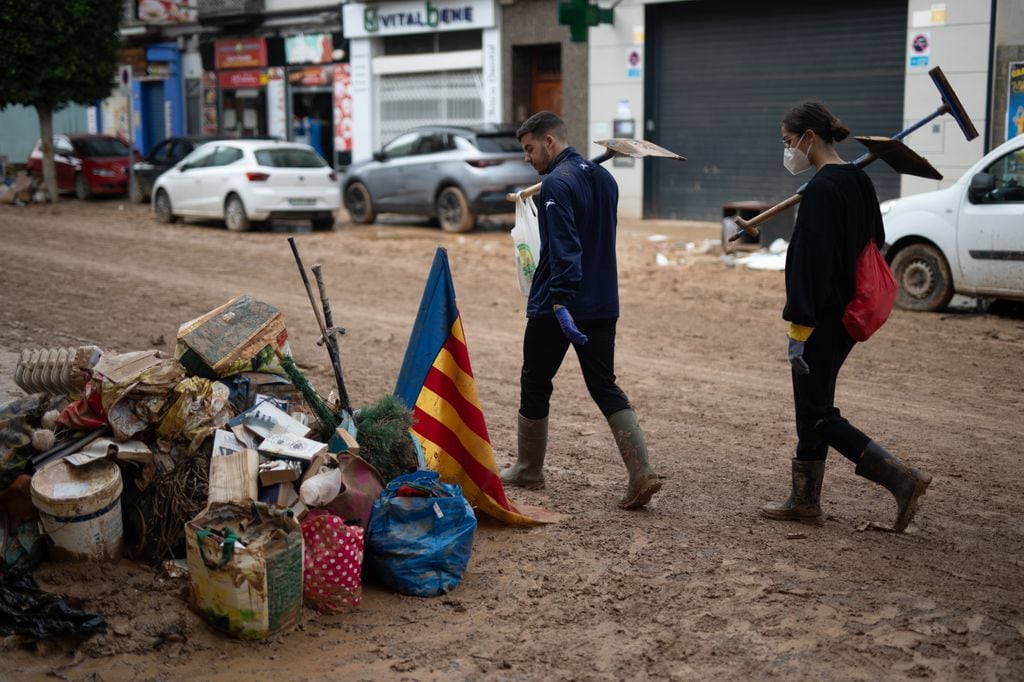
(804, 503)
(905, 482)
(643, 482)
(528, 471)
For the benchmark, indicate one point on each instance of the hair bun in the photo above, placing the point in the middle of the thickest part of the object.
(838, 131)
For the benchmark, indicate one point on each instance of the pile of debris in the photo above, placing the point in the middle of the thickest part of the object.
(24, 190)
(223, 459)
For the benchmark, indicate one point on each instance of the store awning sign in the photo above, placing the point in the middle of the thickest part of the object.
(396, 18)
(243, 53)
(232, 80)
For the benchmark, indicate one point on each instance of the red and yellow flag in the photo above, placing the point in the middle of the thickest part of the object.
(437, 383)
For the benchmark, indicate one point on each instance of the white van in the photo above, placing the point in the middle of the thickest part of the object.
(965, 239)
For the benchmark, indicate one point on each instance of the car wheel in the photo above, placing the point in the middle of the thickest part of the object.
(234, 215)
(923, 277)
(137, 194)
(162, 208)
(453, 211)
(359, 204)
(82, 190)
(323, 224)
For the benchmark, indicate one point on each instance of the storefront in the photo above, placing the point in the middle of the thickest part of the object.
(310, 97)
(242, 79)
(418, 63)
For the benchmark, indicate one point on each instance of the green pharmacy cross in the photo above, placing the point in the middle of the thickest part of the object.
(579, 15)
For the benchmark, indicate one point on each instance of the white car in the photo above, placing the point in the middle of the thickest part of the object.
(249, 181)
(965, 239)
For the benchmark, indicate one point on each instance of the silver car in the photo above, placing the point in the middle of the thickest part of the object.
(449, 173)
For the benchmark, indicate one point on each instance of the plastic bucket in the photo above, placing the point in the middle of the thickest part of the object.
(80, 508)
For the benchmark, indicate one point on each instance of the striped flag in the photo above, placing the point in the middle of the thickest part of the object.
(437, 383)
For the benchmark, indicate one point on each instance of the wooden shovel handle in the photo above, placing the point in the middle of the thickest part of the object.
(750, 226)
(526, 193)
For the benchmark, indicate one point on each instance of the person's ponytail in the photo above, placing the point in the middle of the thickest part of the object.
(837, 130)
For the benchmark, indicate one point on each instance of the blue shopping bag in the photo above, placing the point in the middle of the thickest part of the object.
(420, 535)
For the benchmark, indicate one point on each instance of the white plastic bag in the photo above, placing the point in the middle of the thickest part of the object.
(320, 489)
(526, 237)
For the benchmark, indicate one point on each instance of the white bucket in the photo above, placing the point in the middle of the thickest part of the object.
(81, 509)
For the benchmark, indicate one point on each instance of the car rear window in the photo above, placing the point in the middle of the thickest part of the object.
(289, 158)
(498, 143)
(101, 146)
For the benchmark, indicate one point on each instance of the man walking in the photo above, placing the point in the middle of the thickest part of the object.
(574, 299)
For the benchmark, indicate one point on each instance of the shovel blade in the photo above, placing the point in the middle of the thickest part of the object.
(900, 157)
(638, 149)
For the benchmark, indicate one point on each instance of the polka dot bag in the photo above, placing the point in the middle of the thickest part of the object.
(332, 567)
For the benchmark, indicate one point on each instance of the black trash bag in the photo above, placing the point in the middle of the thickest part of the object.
(25, 609)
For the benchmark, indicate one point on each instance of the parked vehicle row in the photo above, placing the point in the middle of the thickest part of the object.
(966, 239)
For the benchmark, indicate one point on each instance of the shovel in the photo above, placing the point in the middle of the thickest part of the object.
(624, 146)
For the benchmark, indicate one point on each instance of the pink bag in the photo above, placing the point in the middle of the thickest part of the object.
(873, 297)
(333, 562)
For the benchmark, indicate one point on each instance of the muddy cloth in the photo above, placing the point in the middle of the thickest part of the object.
(25, 609)
(838, 214)
(576, 214)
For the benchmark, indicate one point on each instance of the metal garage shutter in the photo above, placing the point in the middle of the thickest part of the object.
(721, 75)
(437, 98)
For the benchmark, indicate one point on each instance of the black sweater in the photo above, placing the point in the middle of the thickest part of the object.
(838, 214)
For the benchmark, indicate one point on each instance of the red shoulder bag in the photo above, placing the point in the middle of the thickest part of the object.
(874, 295)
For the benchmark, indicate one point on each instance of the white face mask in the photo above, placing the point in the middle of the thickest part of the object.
(795, 160)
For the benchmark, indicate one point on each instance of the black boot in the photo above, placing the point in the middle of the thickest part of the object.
(905, 482)
(528, 471)
(804, 503)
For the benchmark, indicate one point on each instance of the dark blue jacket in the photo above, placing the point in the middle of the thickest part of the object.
(577, 213)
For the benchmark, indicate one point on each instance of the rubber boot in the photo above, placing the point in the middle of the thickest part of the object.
(906, 483)
(643, 482)
(804, 503)
(528, 471)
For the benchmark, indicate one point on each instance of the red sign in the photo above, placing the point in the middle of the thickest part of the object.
(240, 54)
(230, 80)
(342, 107)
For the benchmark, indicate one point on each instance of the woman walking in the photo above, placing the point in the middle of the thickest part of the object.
(838, 215)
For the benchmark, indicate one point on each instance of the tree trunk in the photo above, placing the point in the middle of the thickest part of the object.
(45, 112)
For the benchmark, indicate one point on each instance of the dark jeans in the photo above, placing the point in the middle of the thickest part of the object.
(818, 422)
(544, 347)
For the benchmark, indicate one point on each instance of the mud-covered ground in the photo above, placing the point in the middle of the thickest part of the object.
(696, 586)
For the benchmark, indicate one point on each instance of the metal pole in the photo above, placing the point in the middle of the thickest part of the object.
(131, 143)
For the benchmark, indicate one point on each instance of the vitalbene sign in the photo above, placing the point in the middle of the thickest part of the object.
(395, 18)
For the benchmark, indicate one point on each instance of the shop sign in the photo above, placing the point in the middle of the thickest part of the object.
(395, 18)
(1015, 101)
(158, 69)
(311, 75)
(134, 57)
(342, 107)
(240, 54)
(308, 48)
(166, 11)
(232, 80)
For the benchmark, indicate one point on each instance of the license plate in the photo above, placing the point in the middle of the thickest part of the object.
(302, 202)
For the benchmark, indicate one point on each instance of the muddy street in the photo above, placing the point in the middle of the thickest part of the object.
(695, 586)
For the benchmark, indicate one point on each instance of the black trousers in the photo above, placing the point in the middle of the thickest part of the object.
(819, 424)
(544, 347)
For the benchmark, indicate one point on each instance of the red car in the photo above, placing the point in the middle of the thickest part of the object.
(86, 164)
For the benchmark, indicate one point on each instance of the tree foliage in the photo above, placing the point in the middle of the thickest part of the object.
(54, 53)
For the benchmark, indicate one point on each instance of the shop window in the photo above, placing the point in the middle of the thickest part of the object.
(453, 41)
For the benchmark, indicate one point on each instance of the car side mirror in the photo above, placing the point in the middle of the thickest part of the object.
(981, 185)
(380, 156)
(184, 168)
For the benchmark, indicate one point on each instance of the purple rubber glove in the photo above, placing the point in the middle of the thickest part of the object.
(568, 326)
